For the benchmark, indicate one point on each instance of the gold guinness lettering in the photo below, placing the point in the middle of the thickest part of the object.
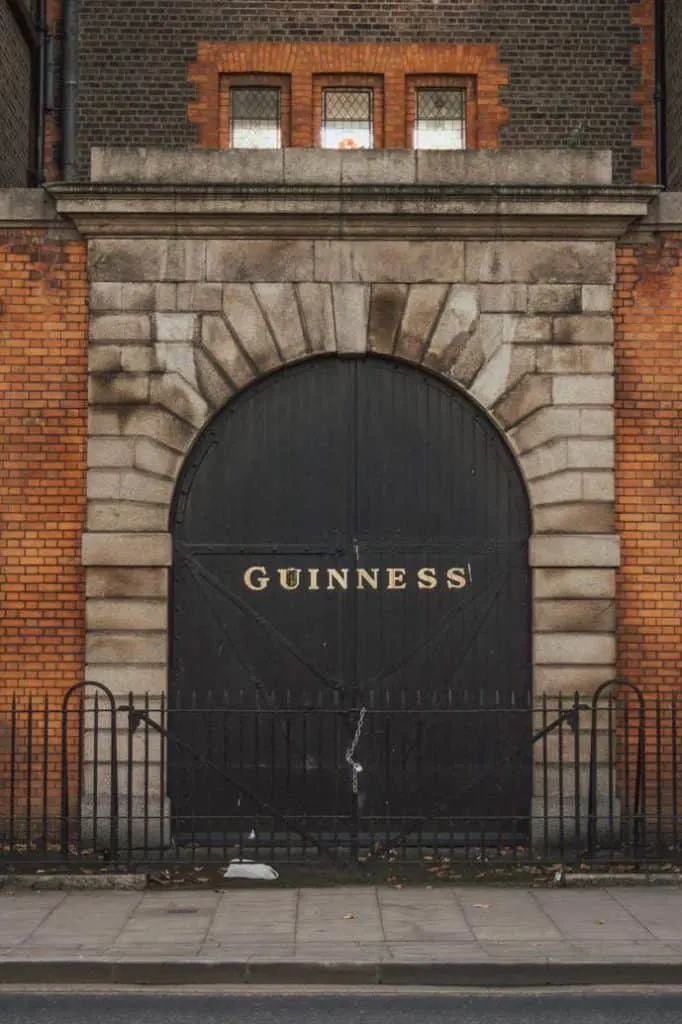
(291, 578)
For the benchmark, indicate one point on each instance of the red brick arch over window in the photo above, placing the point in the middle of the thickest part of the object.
(478, 64)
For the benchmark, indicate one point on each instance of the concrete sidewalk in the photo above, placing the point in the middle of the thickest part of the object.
(354, 935)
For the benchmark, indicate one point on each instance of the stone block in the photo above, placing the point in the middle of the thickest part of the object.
(104, 358)
(126, 679)
(110, 452)
(147, 259)
(597, 422)
(138, 359)
(526, 330)
(131, 549)
(553, 490)
(540, 262)
(590, 453)
(575, 550)
(575, 616)
(351, 317)
(388, 260)
(317, 313)
(587, 359)
(567, 679)
(554, 298)
(459, 316)
(278, 303)
(120, 328)
(176, 357)
(213, 385)
(498, 376)
(560, 359)
(545, 460)
(599, 486)
(103, 483)
(585, 389)
(574, 583)
(146, 648)
(503, 298)
(148, 297)
(144, 487)
(312, 166)
(118, 388)
(222, 346)
(378, 166)
(597, 298)
(531, 393)
(386, 306)
(200, 298)
(126, 582)
(106, 297)
(113, 515)
(574, 649)
(173, 392)
(172, 327)
(421, 311)
(515, 166)
(547, 424)
(123, 614)
(576, 517)
(105, 422)
(583, 330)
(245, 319)
(160, 424)
(278, 259)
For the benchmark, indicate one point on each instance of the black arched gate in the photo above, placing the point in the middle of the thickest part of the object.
(350, 550)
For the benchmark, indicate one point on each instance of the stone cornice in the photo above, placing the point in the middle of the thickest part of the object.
(354, 210)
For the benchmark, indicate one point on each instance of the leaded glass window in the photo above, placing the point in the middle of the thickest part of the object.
(440, 119)
(347, 121)
(255, 118)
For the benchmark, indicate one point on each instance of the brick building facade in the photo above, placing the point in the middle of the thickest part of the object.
(539, 272)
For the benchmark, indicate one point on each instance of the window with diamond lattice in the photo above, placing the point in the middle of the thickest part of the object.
(347, 119)
(255, 118)
(440, 119)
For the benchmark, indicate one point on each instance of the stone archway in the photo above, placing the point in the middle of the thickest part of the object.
(157, 378)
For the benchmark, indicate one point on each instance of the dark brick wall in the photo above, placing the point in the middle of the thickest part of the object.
(674, 92)
(571, 73)
(15, 98)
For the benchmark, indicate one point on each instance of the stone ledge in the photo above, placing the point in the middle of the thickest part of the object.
(159, 165)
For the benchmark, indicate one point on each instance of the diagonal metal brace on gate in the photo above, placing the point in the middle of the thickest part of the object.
(569, 715)
(137, 716)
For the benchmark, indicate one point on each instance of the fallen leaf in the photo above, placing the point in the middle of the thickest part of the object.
(481, 906)
(200, 879)
(348, 917)
(200, 868)
(598, 922)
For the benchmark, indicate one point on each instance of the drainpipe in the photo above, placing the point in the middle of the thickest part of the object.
(40, 91)
(70, 85)
(660, 97)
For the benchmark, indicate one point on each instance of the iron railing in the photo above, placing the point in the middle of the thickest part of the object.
(130, 782)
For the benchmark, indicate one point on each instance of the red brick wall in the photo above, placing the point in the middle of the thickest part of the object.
(43, 407)
(649, 510)
(649, 462)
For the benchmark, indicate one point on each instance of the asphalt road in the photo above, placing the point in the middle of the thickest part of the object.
(650, 1007)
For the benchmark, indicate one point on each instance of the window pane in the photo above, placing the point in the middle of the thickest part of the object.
(255, 118)
(440, 119)
(347, 119)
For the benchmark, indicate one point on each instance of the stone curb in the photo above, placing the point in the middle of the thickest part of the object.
(48, 883)
(139, 882)
(511, 974)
